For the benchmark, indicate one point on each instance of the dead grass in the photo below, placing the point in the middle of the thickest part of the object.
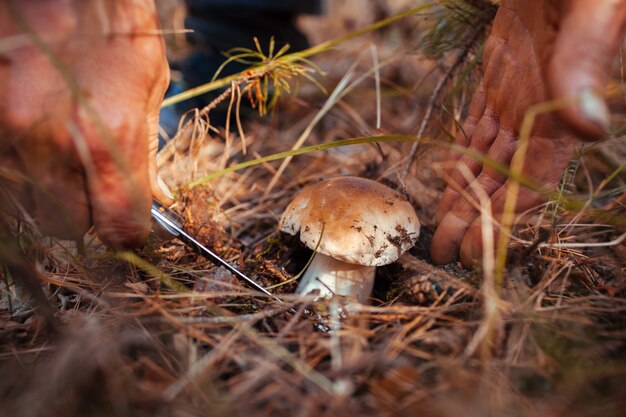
(126, 341)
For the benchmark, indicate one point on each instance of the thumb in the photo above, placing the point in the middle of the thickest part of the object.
(588, 40)
(160, 190)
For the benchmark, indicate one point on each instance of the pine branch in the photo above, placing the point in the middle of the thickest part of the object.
(478, 26)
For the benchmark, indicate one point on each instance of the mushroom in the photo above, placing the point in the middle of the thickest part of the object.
(359, 224)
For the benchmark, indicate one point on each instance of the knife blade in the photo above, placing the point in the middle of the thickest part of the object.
(166, 218)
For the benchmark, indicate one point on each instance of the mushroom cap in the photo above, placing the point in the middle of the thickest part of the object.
(364, 222)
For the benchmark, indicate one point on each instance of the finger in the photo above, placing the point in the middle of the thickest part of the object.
(483, 134)
(160, 190)
(60, 202)
(464, 134)
(545, 163)
(116, 166)
(589, 38)
(56, 184)
(14, 194)
(475, 113)
(116, 129)
(483, 137)
(448, 236)
(472, 246)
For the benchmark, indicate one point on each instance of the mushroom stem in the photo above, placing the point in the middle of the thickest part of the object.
(330, 276)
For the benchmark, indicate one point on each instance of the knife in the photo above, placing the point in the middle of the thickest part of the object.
(167, 219)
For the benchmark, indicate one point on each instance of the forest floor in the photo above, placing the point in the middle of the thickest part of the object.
(161, 331)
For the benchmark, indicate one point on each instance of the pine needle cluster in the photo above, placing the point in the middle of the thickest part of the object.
(453, 23)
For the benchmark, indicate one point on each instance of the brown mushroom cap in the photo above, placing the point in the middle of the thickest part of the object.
(364, 221)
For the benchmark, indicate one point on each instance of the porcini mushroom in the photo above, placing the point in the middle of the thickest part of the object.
(359, 223)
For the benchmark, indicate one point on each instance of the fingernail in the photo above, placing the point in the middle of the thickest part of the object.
(594, 109)
(447, 239)
(470, 252)
(164, 188)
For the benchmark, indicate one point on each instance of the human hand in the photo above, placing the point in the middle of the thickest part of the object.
(79, 105)
(536, 51)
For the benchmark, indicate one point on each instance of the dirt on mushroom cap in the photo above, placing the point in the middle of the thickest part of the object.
(363, 221)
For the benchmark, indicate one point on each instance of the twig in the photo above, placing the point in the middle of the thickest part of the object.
(24, 274)
(374, 51)
(613, 242)
(199, 367)
(434, 97)
(252, 317)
